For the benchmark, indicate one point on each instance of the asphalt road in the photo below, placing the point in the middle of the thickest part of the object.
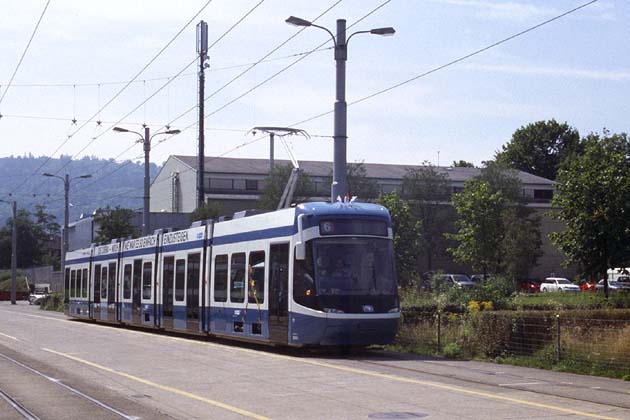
(56, 368)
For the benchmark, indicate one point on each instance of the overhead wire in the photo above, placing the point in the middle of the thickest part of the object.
(169, 80)
(63, 143)
(453, 62)
(19, 64)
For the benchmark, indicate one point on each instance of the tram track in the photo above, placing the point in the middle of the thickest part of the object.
(19, 408)
(26, 413)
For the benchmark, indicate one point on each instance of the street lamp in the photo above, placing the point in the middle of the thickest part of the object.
(146, 141)
(13, 250)
(66, 213)
(340, 184)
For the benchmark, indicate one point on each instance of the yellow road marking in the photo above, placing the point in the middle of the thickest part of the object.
(9, 336)
(219, 404)
(364, 372)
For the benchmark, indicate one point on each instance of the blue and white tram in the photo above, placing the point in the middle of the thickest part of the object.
(318, 274)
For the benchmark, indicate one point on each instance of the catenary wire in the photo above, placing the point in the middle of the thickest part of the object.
(63, 143)
(242, 73)
(479, 51)
(24, 52)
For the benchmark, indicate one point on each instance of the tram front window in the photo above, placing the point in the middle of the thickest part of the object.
(346, 274)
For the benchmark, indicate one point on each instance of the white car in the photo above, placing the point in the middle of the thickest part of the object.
(558, 284)
(41, 292)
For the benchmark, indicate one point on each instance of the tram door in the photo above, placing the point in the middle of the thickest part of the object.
(168, 273)
(278, 292)
(135, 292)
(192, 292)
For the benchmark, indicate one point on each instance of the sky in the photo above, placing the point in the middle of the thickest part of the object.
(84, 53)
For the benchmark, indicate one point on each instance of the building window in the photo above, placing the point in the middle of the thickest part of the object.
(251, 185)
(221, 184)
(545, 195)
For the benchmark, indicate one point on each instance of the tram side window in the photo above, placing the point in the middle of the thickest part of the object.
(147, 274)
(73, 282)
(84, 289)
(111, 283)
(97, 283)
(220, 278)
(137, 279)
(256, 277)
(104, 283)
(66, 289)
(180, 280)
(237, 278)
(77, 285)
(127, 282)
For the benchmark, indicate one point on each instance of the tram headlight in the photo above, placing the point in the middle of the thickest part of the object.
(394, 310)
(333, 311)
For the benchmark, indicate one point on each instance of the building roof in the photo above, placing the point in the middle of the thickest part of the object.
(316, 168)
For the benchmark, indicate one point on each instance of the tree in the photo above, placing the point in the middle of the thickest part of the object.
(114, 223)
(29, 244)
(49, 230)
(479, 228)
(541, 148)
(593, 197)
(206, 211)
(496, 231)
(427, 191)
(358, 182)
(462, 164)
(275, 183)
(407, 236)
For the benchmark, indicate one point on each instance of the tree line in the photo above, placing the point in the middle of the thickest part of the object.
(486, 225)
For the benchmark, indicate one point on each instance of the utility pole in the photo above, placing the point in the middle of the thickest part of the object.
(202, 50)
(14, 253)
(146, 145)
(271, 135)
(339, 186)
(146, 209)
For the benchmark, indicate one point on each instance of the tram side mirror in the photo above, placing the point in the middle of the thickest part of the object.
(300, 251)
(300, 248)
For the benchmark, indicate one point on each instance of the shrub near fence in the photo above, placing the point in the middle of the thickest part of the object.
(592, 342)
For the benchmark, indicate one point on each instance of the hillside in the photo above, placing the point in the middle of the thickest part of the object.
(112, 183)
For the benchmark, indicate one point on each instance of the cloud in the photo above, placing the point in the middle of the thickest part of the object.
(511, 10)
(593, 74)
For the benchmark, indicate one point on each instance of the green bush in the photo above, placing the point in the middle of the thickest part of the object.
(53, 302)
(21, 285)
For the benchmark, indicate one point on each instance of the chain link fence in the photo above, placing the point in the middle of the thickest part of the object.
(571, 342)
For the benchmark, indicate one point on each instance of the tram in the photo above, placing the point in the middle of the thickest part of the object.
(318, 274)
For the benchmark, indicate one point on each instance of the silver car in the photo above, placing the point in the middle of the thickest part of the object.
(613, 286)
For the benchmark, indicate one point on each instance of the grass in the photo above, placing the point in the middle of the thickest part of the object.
(559, 301)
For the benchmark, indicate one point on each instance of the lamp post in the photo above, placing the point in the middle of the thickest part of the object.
(340, 185)
(66, 213)
(146, 141)
(13, 250)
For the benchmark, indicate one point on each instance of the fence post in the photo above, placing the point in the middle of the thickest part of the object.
(557, 338)
(439, 333)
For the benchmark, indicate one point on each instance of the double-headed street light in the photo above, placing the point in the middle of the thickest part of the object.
(340, 184)
(146, 141)
(66, 213)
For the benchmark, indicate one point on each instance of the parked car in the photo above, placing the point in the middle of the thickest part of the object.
(529, 286)
(40, 292)
(587, 285)
(457, 280)
(558, 284)
(480, 279)
(613, 286)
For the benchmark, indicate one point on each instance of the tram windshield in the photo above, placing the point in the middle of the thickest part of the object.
(345, 267)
